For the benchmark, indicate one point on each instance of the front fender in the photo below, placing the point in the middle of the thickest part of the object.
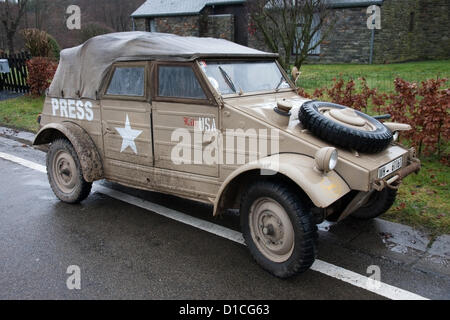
(90, 160)
(323, 189)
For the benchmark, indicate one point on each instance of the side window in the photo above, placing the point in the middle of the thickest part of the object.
(179, 82)
(127, 81)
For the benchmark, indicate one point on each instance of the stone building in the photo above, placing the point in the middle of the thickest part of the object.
(410, 29)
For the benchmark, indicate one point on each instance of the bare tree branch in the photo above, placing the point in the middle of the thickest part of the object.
(11, 13)
(291, 27)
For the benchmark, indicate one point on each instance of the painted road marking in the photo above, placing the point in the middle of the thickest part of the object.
(23, 162)
(353, 278)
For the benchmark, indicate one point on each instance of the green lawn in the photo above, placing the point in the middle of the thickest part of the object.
(21, 112)
(377, 76)
(423, 200)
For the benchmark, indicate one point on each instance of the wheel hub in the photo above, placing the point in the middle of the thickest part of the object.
(64, 169)
(348, 117)
(271, 229)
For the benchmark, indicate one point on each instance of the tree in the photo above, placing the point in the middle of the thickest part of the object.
(93, 29)
(291, 27)
(11, 13)
(40, 9)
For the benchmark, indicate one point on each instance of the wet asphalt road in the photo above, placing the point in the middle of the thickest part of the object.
(125, 252)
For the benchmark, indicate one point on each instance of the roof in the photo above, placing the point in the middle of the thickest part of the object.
(354, 3)
(154, 8)
(176, 7)
(81, 69)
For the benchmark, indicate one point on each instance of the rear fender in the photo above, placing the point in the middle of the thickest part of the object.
(90, 160)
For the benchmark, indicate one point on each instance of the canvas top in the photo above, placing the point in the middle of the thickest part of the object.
(81, 69)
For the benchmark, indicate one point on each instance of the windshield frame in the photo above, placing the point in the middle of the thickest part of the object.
(241, 59)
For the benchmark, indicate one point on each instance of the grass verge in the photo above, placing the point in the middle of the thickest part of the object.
(21, 113)
(380, 76)
(423, 200)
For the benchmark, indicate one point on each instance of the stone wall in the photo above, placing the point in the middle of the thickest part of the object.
(413, 30)
(219, 26)
(410, 30)
(348, 39)
(434, 20)
(180, 25)
(140, 24)
(397, 40)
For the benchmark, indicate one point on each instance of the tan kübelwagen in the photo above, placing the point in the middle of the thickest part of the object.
(210, 120)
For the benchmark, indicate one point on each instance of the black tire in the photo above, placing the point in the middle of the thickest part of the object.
(305, 231)
(81, 188)
(378, 203)
(341, 135)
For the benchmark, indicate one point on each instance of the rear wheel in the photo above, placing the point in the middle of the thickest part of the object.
(378, 203)
(278, 229)
(65, 174)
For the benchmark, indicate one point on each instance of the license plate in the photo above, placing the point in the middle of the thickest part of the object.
(390, 168)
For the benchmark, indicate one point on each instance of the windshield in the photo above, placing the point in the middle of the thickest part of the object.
(243, 77)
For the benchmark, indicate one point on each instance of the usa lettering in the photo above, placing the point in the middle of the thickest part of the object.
(73, 109)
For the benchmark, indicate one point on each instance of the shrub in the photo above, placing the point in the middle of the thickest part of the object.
(36, 42)
(347, 94)
(55, 49)
(40, 74)
(93, 29)
(424, 106)
(40, 44)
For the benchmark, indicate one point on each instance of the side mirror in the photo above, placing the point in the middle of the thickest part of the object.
(295, 74)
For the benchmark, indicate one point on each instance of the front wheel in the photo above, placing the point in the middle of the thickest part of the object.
(278, 229)
(65, 174)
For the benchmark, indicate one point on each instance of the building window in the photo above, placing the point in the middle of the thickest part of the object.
(411, 21)
(152, 25)
(315, 39)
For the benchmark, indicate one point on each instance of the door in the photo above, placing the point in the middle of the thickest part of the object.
(126, 116)
(185, 120)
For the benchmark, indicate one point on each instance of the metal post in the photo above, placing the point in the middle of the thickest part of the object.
(372, 39)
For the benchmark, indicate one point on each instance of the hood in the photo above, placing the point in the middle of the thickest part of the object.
(262, 107)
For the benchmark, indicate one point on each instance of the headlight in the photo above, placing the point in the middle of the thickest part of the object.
(395, 135)
(326, 159)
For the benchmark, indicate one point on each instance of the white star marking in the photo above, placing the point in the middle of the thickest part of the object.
(128, 135)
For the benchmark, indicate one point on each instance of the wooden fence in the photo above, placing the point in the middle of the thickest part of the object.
(16, 79)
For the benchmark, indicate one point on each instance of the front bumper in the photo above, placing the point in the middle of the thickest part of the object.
(394, 181)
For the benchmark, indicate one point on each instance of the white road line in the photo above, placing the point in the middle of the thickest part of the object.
(353, 278)
(23, 162)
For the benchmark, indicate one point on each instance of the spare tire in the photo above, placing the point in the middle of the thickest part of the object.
(345, 127)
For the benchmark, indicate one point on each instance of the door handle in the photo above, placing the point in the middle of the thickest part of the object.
(211, 140)
(109, 131)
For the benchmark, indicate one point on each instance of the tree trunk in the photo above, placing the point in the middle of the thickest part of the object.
(10, 40)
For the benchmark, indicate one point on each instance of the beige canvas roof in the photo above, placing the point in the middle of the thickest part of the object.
(81, 69)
